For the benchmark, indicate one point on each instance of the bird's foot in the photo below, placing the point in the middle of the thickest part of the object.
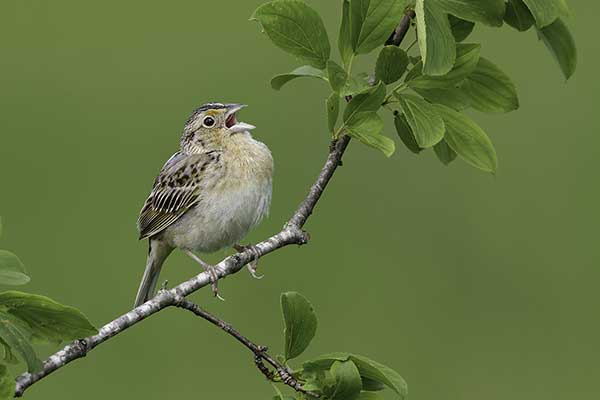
(212, 271)
(252, 265)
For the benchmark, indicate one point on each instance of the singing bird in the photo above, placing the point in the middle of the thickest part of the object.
(208, 195)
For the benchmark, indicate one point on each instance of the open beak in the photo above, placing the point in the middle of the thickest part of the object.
(231, 121)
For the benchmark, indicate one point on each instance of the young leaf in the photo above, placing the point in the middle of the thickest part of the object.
(347, 381)
(561, 44)
(489, 12)
(295, 28)
(391, 64)
(367, 101)
(406, 134)
(423, 119)
(49, 321)
(437, 45)
(366, 126)
(7, 384)
(461, 29)
(518, 15)
(333, 110)
(337, 76)
(345, 39)
(300, 323)
(366, 367)
(278, 81)
(467, 57)
(380, 373)
(16, 334)
(372, 21)
(12, 270)
(546, 12)
(444, 153)
(467, 139)
(490, 90)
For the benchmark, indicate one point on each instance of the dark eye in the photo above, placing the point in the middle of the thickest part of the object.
(208, 122)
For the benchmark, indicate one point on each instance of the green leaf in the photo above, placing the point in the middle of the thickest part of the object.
(337, 76)
(406, 134)
(7, 384)
(561, 44)
(437, 45)
(489, 12)
(518, 15)
(423, 119)
(381, 373)
(372, 21)
(356, 84)
(372, 385)
(461, 29)
(367, 368)
(347, 381)
(49, 321)
(444, 153)
(333, 110)
(295, 28)
(345, 35)
(16, 334)
(368, 396)
(490, 90)
(370, 100)
(391, 64)
(467, 57)
(278, 81)
(452, 97)
(9, 356)
(467, 139)
(366, 126)
(546, 12)
(300, 323)
(12, 270)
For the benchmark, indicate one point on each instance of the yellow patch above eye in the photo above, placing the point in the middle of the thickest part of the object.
(215, 112)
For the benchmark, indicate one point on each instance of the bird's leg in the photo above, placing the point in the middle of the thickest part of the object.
(252, 265)
(214, 278)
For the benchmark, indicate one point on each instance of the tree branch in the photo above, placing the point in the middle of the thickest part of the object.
(291, 233)
(260, 352)
(400, 33)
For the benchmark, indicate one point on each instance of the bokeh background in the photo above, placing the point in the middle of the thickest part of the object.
(471, 286)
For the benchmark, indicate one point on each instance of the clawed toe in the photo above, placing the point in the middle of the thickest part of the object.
(212, 271)
(252, 265)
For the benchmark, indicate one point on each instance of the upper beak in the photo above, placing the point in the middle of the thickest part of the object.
(232, 123)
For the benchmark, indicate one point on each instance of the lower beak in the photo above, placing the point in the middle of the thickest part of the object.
(232, 123)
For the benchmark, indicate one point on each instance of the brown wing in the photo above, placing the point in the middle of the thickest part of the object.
(176, 189)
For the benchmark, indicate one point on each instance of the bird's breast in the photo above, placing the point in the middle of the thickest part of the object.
(230, 206)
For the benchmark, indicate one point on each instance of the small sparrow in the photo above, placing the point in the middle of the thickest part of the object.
(208, 195)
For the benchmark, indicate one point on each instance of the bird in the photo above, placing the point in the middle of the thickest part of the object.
(208, 195)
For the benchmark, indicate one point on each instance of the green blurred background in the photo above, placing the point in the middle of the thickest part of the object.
(471, 286)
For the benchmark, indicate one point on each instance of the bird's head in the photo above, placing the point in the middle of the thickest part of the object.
(213, 124)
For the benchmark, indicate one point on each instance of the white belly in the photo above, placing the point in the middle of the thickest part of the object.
(222, 218)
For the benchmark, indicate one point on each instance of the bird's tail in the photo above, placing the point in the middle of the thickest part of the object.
(157, 254)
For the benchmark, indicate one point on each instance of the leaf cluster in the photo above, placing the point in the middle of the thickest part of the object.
(335, 376)
(27, 319)
(426, 93)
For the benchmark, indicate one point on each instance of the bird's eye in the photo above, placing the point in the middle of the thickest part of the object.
(208, 122)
